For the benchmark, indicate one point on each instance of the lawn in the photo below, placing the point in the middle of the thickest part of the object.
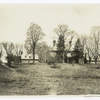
(42, 79)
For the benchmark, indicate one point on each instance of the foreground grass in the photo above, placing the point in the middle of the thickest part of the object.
(41, 79)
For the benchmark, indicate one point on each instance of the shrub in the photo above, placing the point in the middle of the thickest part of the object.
(9, 58)
(55, 65)
(51, 60)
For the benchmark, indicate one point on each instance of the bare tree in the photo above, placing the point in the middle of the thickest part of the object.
(18, 52)
(69, 40)
(18, 49)
(83, 39)
(95, 35)
(34, 34)
(0, 50)
(89, 48)
(43, 51)
(9, 47)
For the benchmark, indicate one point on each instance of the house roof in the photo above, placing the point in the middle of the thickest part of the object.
(54, 49)
(25, 55)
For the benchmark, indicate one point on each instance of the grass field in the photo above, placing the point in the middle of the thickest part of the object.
(41, 79)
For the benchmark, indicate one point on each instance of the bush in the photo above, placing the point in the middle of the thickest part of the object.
(59, 58)
(51, 60)
(98, 67)
(9, 58)
(17, 59)
(55, 65)
(85, 60)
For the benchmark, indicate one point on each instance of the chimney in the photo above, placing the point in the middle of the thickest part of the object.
(54, 43)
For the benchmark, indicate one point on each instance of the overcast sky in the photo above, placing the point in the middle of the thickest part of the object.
(16, 18)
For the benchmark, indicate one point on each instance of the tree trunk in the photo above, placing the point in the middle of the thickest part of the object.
(63, 57)
(33, 56)
(9, 62)
(95, 60)
(45, 59)
(67, 59)
(89, 60)
(72, 62)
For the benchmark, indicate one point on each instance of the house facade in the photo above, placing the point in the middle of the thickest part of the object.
(22, 58)
(68, 54)
(28, 58)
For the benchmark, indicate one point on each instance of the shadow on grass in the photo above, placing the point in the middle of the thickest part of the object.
(13, 66)
(20, 65)
(86, 77)
(22, 71)
(98, 67)
(6, 80)
(74, 77)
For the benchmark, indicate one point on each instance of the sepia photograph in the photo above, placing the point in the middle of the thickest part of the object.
(49, 49)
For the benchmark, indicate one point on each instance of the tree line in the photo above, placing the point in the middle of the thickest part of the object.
(84, 45)
(67, 39)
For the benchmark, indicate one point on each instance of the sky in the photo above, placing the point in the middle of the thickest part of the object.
(15, 19)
